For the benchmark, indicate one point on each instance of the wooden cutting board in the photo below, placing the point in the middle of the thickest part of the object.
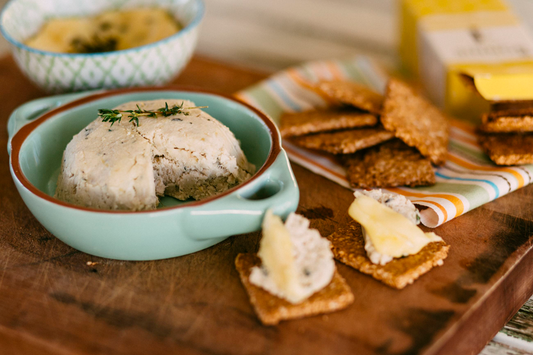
(56, 300)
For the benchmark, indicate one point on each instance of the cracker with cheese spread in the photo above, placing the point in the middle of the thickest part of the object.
(300, 123)
(348, 246)
(392, 163)
(415, 121)
(508, 148)
(271, 309)
(344, 142)
(293, 274)
(350, 93)
(384, 240)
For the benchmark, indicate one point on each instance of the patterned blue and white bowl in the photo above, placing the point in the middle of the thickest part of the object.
(152, 64)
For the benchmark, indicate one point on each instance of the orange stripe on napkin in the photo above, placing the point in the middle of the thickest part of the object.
(464, 139)
(459, 206)
(440, 207)
(468, 165)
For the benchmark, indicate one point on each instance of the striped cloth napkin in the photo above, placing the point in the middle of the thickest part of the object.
(467, 180)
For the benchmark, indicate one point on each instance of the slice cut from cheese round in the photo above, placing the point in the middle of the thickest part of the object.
(390, 232)
(276, 255)
(296, 260)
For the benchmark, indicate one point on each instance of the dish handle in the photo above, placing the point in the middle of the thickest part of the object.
(243, 211)
(34, 109)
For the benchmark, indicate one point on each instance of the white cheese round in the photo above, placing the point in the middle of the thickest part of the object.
(125, 167)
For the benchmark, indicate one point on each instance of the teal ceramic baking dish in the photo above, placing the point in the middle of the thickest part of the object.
(40, 130)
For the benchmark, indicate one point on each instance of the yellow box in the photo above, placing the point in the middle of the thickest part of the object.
(467, 53)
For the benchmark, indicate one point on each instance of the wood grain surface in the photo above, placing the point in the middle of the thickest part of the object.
(521, 325)
(52, 301)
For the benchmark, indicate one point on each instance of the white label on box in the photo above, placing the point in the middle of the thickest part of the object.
(482, 45)
(440, 48)
(432, 70)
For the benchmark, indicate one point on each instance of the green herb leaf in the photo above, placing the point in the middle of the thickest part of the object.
(113, 116)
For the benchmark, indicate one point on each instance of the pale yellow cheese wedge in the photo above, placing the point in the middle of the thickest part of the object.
(276, 255)
(391, 233)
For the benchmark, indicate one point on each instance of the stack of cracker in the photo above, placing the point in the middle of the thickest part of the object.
(382, 141)
(506, 133)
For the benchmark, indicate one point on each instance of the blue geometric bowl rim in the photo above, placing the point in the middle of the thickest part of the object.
(194, 23)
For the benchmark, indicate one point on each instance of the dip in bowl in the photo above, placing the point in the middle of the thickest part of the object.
(176, 227)
(151, 64)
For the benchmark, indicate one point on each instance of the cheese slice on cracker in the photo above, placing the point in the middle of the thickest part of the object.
(390, 232)
(279, 275)
(386, 243)
(296, 260)
(294, 273)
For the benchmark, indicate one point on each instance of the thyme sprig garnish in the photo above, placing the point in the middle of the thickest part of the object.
(113, 116)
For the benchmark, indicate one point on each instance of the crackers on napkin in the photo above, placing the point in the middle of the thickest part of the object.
(402, 113)
(415, 121)
(344, 142)
(508, 148)
(389, 164)
(271, 309)
(506, 132)
(301, 123)
(350, 93)
(348, 247)
(505, 122)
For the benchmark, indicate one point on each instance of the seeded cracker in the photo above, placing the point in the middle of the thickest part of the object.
(508, 148)
(300, 123)
(271, 309)
(344, 142)
(512, 120)
(353, 94)
(392, 163)
(348, 247)
(415, 121)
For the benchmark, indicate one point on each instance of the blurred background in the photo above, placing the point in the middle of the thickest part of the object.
(274, 34)
(271, 35)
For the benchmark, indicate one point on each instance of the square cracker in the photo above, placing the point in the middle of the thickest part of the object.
(271, 309)
(509, 120)
(350, 93)
(344, 142)
(389, 164)
(348, 246)
(512, 106)
(508, 148)
(300, 123)
(415, 121)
